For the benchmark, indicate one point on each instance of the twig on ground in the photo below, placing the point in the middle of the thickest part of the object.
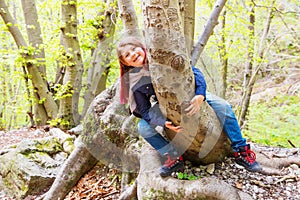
(289, 141)
(286, 178)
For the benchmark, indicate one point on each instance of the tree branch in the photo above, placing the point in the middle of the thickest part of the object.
(129, 17)
(10, 23)
(211, 23)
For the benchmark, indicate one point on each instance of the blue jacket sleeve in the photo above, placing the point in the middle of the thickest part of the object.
(200, 84)
(151, 114)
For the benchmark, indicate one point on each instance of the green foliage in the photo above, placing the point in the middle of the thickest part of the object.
(63, 91)
(58, 121)
(184, 176)
(275, 122)
(41, 101)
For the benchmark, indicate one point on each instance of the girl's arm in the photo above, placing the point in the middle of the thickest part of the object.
(200, 91)
(150, 114)
(153, 115)
(200, 83)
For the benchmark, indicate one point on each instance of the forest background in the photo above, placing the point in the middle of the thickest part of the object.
(271, 40)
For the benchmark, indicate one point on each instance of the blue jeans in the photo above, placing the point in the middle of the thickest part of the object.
(227, 119)
(224, 113)
(155, 139)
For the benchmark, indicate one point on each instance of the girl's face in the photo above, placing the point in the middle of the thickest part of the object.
(133, 56)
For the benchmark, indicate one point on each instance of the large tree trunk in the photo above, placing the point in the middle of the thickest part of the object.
(173, 81)
(102, 140)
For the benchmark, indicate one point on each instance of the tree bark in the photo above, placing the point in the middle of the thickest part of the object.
(100, 140)
(129, 18)
(34, 33)
(68, 109)
(223, 56)
(189, 24)
(248, 68)
(13, 29)
(3, 94)
(36, 42)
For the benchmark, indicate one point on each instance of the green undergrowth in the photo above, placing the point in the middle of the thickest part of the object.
(275, 122)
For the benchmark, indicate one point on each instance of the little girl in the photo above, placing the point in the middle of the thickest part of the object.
(137, 90)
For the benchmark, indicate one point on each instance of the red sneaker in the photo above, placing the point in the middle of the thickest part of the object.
(171, 165)
(246, 158)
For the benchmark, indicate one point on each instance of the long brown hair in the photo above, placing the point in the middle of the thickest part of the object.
(124, 68)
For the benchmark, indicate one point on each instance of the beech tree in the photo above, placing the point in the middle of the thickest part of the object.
(173, 81)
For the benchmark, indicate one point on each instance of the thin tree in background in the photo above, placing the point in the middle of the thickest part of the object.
(47, 108)
(101, 55)
(252, 68)
(72, 62)
(223, 55)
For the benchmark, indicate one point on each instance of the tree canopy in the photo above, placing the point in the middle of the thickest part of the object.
(252, 40)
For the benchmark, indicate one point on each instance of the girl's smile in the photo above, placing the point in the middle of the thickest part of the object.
(133, 56)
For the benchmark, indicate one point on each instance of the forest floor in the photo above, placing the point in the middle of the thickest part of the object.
(103, 182)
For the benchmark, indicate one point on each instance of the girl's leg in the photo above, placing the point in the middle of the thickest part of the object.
(227, 119)
(173, 161)
(156, 140)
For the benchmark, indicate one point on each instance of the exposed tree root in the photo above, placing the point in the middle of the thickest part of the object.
(279, 163)
(152, 186)
(130, 192)
(79, 162)
(275, 163)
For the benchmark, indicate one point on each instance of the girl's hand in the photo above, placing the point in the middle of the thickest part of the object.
(195, 105)
(170, 126)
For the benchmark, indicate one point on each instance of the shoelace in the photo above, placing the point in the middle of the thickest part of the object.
(169, 162)
(250, 156)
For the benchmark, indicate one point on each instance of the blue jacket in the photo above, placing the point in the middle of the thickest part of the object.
(143, 91)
